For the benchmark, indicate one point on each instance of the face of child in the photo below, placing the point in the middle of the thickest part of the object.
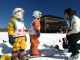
(40, 15)
(22, 14)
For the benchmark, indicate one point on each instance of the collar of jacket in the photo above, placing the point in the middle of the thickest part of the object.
(13, 18)
(70, 19)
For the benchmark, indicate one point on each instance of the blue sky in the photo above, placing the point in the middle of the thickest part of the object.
(52, 7)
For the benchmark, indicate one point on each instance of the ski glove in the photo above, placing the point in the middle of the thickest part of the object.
(38, 33)
(11, 40)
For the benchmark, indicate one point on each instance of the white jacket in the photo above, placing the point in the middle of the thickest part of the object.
(20, 29)
(31, 29)
(75, 25)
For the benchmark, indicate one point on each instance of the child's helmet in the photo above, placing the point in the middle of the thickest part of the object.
(37, 14)
(18, 13)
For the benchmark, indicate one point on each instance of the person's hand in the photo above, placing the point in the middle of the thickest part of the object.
(69, 30)
(11, 40)
(38, 33)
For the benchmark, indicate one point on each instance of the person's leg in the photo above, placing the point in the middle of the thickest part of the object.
(69, 49)
(73, 44)
(22, 48)
(34, 45)
(15, 49)
(74, 48)
(15, 55)
(21, 54)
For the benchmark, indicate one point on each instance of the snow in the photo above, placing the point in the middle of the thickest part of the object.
(47, 42)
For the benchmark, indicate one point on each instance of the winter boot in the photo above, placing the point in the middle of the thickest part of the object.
(22, 55)
(15, 56)
(74, 56)
(35, 55)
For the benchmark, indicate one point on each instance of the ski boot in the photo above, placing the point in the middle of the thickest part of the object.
(14, 56)
(22, 55)
(74, 56)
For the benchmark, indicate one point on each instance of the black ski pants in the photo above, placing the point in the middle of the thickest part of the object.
(72, 41)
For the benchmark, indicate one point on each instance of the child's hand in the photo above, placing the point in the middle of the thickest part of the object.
(11, 40)
(38, 33)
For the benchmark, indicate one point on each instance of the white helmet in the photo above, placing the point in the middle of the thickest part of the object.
(37, 14)
(18, 13)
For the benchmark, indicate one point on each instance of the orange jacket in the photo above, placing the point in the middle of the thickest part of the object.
(36, 24)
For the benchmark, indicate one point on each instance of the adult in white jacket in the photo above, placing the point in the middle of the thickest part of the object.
(73, 34)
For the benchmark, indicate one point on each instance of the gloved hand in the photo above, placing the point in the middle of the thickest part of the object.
(38, 33)
(11, 40)
(69, 30)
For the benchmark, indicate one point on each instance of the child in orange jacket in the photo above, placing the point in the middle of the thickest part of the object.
(34, 32)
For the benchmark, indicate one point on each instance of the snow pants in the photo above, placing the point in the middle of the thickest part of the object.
(34, 45)
(20, 43)
(72, 41)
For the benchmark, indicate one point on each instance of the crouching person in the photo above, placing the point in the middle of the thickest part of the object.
(17, 34)
(73, 34)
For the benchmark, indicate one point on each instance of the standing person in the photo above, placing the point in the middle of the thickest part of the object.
(17, 34)
(34, 32)
(73, 34)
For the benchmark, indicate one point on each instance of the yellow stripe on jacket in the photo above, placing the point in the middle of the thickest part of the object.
(11, 26)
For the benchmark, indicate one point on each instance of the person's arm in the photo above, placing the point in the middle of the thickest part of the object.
(75, 28)
(36, 25)
(11, 32)
(10, 28)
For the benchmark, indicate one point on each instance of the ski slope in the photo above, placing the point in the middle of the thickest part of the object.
(46, 46)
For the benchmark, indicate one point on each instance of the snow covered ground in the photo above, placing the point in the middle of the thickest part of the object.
(47, 42)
